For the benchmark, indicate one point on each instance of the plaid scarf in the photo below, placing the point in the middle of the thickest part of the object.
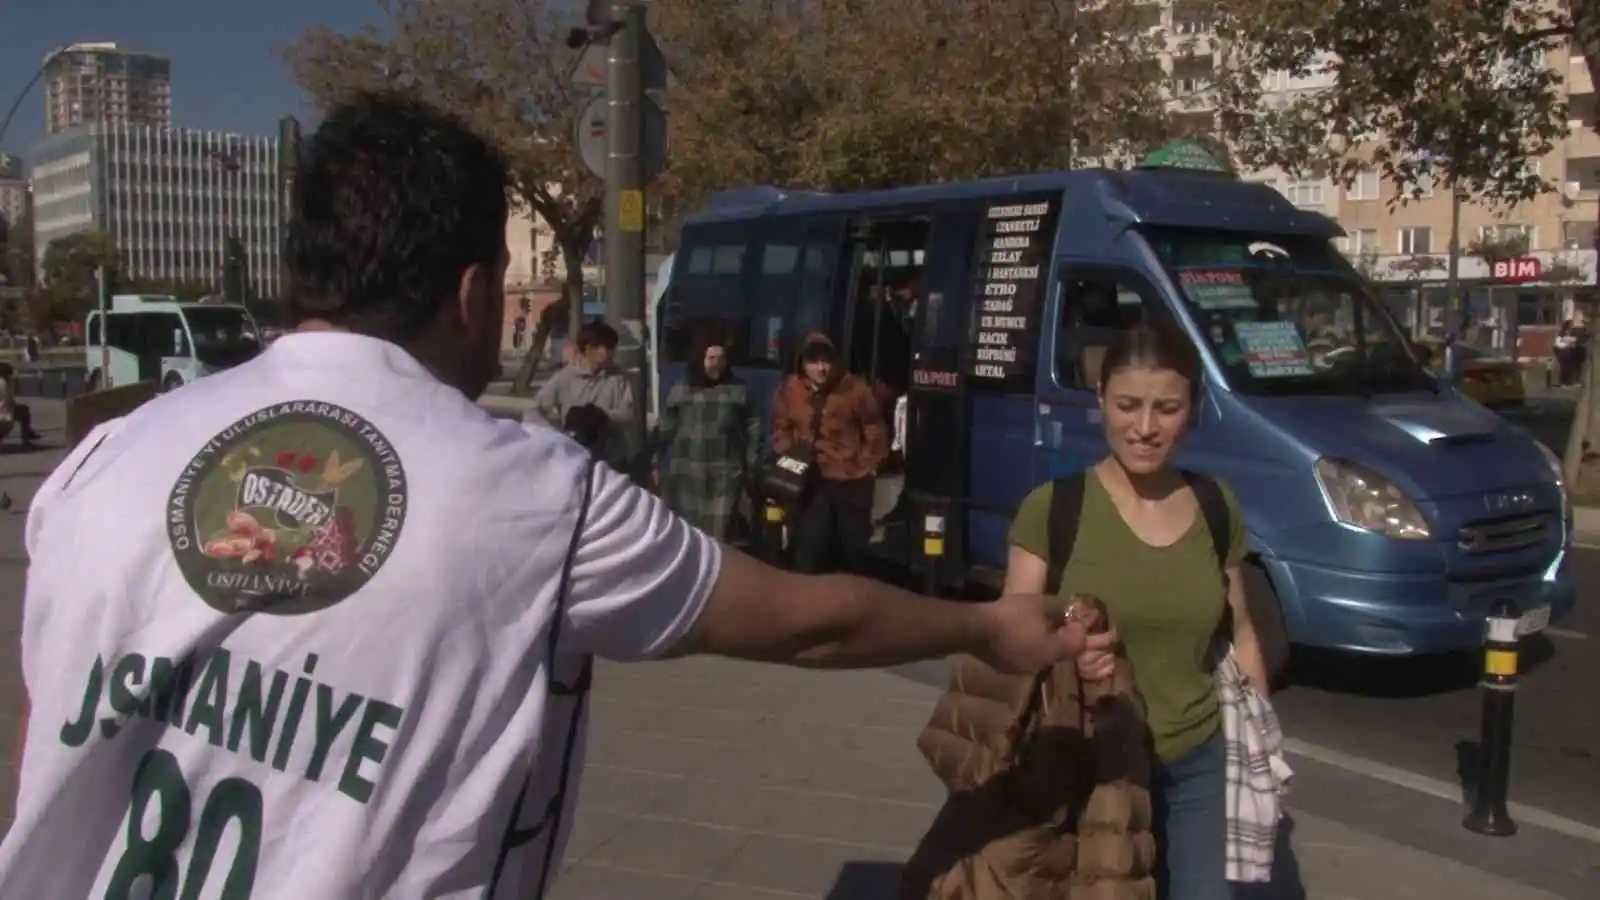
(1257, 775)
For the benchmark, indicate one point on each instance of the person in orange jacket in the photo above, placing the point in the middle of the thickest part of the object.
(836, 414)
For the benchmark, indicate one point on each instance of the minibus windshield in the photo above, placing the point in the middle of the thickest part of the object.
(1287, 315)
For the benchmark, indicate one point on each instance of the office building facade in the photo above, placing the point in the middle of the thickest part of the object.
(102, 83)
(168, 198)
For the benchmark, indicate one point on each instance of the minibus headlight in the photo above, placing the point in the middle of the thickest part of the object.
(1361, 498)
(1558, 476)
(1553, 461)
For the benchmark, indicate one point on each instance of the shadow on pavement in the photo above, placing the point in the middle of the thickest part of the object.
(1402, 679)
(881, 880)
(863, 880)
(1286, 883)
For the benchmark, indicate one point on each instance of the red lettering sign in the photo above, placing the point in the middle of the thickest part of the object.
(926, 378)
(1210, 277)
(1523, 268)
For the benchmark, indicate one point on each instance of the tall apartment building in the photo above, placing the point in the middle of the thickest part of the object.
(1405, 248)
(102, 83)
(13, 193)
(168, 198)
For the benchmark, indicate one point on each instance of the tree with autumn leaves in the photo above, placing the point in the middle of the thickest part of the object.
(500, 65)
(851, 94)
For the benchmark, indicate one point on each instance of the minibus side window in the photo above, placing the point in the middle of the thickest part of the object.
(814, 304)
(705, 299)
(773, 292)
(1095, 307)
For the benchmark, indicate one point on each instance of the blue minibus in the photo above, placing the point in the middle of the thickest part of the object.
(1386, 511)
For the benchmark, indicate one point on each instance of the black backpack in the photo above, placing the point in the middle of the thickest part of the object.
(1066, 509)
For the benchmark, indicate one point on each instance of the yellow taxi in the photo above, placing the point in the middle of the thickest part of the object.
(1494, 381)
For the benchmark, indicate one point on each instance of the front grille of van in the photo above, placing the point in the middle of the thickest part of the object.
(1502, 535)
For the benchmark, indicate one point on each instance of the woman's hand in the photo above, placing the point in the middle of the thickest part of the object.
(1097, 665)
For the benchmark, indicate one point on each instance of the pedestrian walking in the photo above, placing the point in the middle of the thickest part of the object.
(709, 435)
(592, 379)
(1052, 786)
(13, 414)
(831, 419)
(320, 626)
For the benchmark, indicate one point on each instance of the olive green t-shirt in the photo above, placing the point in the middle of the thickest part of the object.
(1166, 604)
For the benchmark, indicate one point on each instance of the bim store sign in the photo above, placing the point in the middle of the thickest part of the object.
(1520, 270)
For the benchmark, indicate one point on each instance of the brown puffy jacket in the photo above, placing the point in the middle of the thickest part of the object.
(1049, 790)
(852, 441)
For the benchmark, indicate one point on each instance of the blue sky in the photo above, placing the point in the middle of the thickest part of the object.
(225, 75)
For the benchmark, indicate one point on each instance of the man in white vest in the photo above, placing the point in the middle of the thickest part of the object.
(320, 627)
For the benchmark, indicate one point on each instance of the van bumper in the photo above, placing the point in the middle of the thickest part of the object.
(1401, 615)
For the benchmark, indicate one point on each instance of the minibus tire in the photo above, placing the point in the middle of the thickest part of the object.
(172, 382)
(1267, 616)
(94, 381)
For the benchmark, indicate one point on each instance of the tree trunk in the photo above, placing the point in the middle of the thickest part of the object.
(572, 257)
(523, 381)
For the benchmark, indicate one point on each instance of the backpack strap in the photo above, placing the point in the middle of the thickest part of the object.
(1214, 509)
(1066, 509)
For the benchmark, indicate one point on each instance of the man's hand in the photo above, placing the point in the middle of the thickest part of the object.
(1022, 636)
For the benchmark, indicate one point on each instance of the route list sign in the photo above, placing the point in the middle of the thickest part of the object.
(1011, 278)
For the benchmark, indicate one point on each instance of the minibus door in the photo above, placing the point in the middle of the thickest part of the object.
(933, 419)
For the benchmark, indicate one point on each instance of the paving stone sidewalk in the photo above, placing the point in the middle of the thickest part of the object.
(718, 780)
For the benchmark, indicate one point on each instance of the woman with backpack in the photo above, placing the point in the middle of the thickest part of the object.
(1050, 777)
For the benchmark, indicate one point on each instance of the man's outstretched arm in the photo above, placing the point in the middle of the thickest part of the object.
(761, 613)
(648, 585)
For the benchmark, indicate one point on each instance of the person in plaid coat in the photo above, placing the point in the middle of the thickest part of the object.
(710, 432)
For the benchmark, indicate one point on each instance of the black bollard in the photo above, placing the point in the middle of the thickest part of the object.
(932, 552)
(772, 533)
(1501, 647)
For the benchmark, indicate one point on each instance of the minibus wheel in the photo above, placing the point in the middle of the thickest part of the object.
(1267, 615)
(94, 381)
(172, 382)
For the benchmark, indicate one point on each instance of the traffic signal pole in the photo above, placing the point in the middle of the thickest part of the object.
(625, 178)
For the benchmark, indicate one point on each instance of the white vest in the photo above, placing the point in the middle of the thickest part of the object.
(285, 635)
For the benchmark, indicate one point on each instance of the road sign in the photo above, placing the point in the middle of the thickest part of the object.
(591, 137)
(630, 213)
(590, 70)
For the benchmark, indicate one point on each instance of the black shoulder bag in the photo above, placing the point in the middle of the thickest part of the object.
(787, 478)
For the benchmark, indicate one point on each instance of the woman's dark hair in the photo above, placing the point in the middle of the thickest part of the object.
(392, 201)
(597, 334)
(1157, 344)
(704, 340)
(818, 351)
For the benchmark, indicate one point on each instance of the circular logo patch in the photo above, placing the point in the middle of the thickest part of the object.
(289, 510)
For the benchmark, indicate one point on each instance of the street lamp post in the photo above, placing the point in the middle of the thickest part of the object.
(232, 277)
(22, 95)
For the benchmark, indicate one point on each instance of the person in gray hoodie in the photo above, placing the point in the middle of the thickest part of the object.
(591, 379)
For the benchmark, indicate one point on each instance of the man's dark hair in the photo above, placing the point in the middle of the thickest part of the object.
(597, 334)
(392, 200)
